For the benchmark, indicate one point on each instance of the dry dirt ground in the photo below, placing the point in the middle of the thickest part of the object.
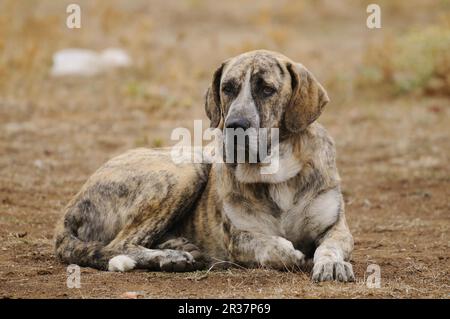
(393, 152)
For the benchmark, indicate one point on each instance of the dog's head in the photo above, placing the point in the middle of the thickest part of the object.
(263, 89)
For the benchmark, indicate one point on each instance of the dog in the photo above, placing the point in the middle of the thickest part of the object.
(141, 210)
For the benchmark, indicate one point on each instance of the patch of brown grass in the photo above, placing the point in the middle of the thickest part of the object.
(417, 62)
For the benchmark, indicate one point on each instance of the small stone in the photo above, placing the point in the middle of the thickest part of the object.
(132, 295)
(21, 234)
(367, 203)
(39, 164)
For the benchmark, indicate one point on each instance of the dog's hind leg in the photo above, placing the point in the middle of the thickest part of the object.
(135, 251)
(138, 257)
(175, 254)
(183, 244)
(124, 210)
(122, 256)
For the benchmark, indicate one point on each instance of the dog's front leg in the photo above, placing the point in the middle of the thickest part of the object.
(333, 253)
(255, 247)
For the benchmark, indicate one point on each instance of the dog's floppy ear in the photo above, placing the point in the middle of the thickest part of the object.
(212, 98)
(307, 100)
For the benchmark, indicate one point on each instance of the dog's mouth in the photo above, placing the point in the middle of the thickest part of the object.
(238, 153)
(245, 149)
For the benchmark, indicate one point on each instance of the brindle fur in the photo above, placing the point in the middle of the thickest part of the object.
(178, 217)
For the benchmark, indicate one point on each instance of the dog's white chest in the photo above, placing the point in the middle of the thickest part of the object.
(306, 217)
(282, 195)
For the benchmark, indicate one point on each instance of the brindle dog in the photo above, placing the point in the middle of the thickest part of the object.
(142, 210)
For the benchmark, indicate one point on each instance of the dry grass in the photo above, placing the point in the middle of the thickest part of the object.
(417, 62)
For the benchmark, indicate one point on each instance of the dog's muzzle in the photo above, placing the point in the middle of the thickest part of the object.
(241, 142)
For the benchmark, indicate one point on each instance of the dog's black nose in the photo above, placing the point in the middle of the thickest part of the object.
(237, 123)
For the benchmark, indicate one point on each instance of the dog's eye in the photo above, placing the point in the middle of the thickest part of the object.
(228, 89)
(268, 90)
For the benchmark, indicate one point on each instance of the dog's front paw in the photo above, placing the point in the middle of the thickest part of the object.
(279, 253)
(328, 270)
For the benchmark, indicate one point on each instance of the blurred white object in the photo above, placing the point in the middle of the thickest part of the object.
(87, 62)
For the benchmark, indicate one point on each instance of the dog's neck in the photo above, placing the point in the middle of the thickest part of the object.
(288, 164)
(300, 164)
